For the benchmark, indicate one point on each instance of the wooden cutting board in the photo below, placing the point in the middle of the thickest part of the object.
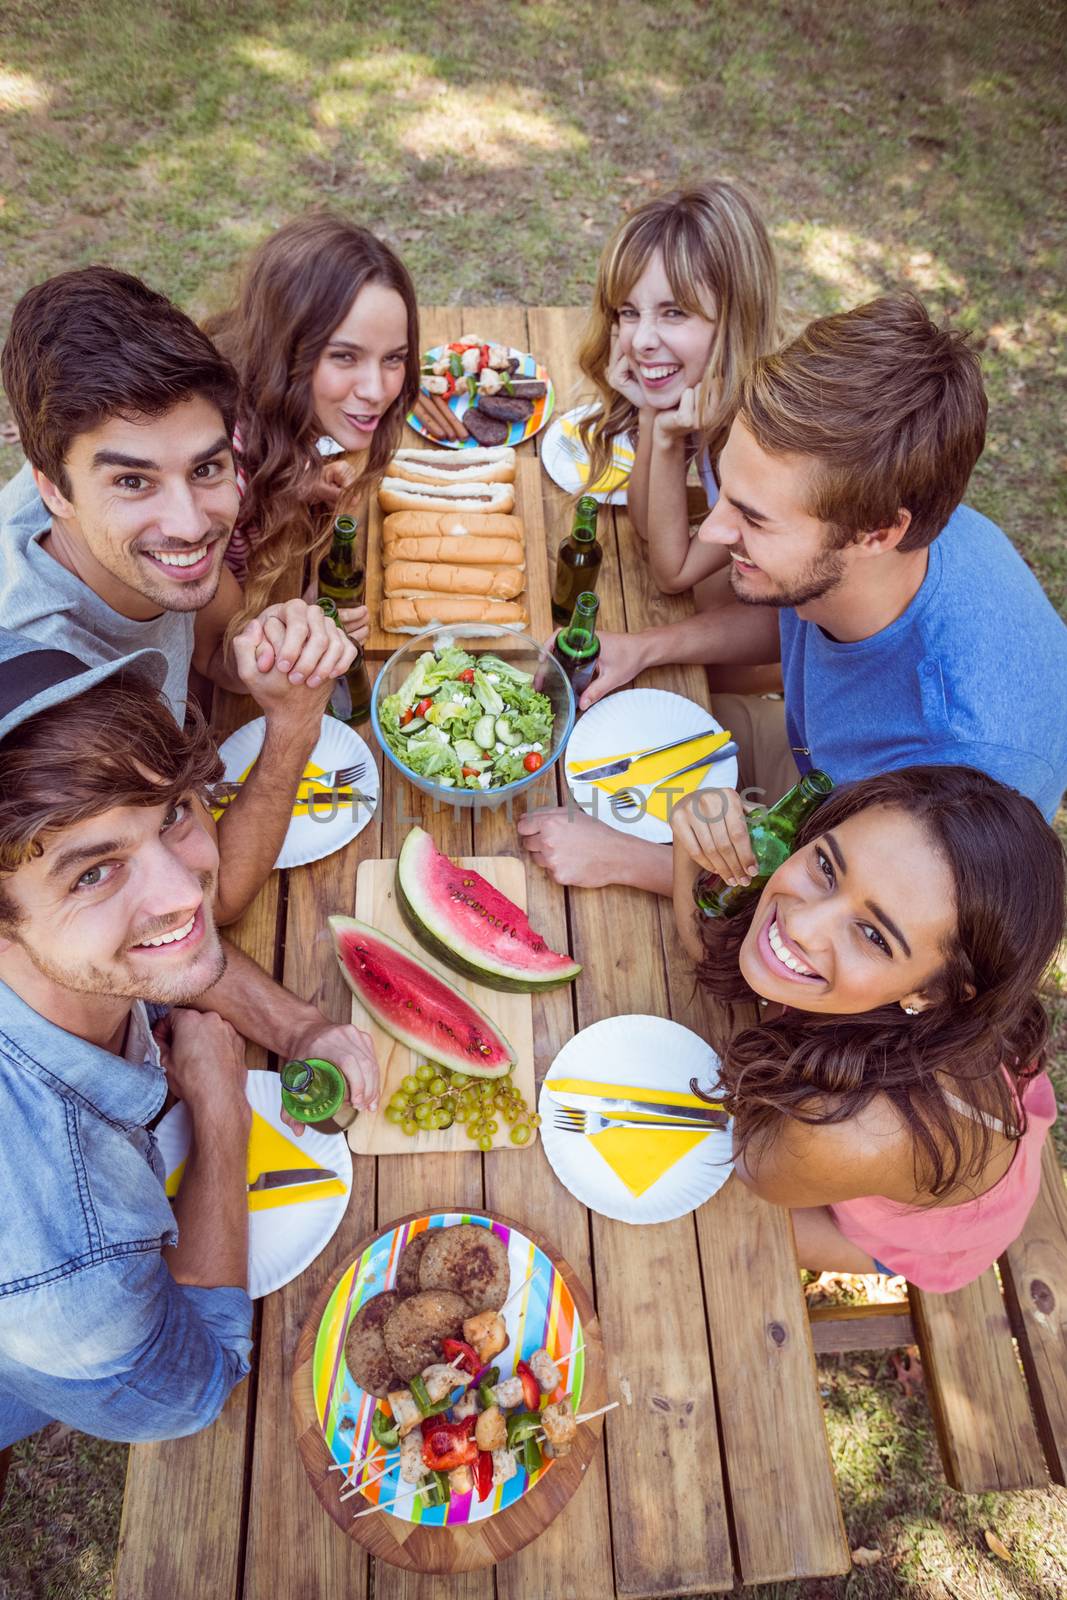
(537, 596)
(512, 1013)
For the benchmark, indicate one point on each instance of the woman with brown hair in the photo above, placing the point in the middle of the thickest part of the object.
(892, 1094)
(686, 299)
(325, 340)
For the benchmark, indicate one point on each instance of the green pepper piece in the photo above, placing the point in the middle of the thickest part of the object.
(420, 1395)
(531, 1454)
(509, 387)
(384, 1430)
(437, 1491)
(521, 1426)
(456, 364)
(485, 1388)
(472, 387)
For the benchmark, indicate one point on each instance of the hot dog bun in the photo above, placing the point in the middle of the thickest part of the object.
(415, 579)
(452, 524)
(479, 465)
(477, 550)
(396, 494)
(414, 616)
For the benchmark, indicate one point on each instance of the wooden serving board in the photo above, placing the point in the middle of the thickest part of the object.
(537, 595)
(459, 1547)
(513, 1014)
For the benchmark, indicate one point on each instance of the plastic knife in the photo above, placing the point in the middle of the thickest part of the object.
(282, 1180)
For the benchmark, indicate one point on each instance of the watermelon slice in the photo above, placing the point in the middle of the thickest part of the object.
(460, 918)
(415, 1005)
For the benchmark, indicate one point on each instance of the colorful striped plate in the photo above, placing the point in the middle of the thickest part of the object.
(543, 1314)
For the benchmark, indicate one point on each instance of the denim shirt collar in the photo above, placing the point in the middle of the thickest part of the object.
(126, 1091)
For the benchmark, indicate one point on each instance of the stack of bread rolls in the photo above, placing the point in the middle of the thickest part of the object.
(452, 552)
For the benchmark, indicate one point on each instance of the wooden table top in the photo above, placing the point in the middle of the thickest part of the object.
(716, 1466)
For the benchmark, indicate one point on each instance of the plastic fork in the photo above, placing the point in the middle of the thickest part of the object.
(624, 800)
(568, 1119)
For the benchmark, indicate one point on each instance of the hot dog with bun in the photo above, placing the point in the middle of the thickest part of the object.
(476, 465)
(400, 494)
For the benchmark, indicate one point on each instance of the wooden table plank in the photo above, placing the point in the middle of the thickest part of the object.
(1034, 1271)
(977, 1394)
(769, 1406)
(200, 1479)
(292, 1549)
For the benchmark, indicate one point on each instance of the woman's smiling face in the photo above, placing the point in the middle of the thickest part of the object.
(862, 917)
(668, 347)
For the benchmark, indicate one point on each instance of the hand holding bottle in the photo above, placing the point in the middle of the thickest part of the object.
(709, 825)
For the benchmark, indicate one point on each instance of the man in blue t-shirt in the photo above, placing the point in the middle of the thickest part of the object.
(908, 628)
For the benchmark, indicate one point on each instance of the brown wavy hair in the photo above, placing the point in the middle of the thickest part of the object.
(719, 260)
(985, 1015)
(297, 288)
(117, 744)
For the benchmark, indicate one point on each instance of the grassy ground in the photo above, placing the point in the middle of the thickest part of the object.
(915, 143)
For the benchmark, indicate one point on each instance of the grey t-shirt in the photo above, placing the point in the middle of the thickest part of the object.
(41, 598)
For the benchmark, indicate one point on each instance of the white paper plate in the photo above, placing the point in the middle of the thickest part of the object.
(285, 1239)
(634, 719)
(566, 463)
(308, 838)
(656, 1053)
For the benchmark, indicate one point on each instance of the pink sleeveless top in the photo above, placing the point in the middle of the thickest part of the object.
(943, 1247)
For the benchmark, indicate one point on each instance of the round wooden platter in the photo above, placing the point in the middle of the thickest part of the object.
(416, 1546)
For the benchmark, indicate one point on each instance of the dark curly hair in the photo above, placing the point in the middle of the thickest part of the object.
(983, 1036)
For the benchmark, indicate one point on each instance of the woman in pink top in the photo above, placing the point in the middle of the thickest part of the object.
(893, 1094)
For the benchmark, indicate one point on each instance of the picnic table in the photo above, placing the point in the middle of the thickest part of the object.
(716, 1467)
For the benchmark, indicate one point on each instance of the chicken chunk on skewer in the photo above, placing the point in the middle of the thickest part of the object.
(412, 1467)
(560, 1426)
(491, 1431)
(441, 1380)
(466, 1406)
(406, 1413)
(544, 1369)
(508, 1393)
(487, 1333)
(460, 1480)
(504, 1466)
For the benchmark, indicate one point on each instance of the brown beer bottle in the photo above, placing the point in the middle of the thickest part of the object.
(342, 576)
(577, 560)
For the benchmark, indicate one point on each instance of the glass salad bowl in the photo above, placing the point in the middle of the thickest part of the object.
(472, 721)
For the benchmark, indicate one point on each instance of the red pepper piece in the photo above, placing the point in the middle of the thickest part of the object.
(458, 1349)
(483, 1474)
(531, 1389)
(447, 1445)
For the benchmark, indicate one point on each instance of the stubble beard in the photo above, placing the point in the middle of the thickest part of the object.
(177, 597)
(818, 579)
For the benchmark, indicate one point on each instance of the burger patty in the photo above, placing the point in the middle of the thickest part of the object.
(470, 1261)
(407, 1271)
(528, 388)
(414, 1330)
(481, 426)
(509, 408)
(365, 1354)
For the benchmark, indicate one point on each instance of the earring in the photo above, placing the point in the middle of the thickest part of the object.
(911, 1011)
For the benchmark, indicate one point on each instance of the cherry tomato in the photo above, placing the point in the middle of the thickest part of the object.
(407, 716)
(534, 760)
(467, 675)
(470, 772)
(423, 706)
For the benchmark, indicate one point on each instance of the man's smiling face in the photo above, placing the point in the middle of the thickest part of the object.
(151, 506)
(122, 905)
(780, 554)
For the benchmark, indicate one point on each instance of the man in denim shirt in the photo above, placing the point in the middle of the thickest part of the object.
(118, 1315)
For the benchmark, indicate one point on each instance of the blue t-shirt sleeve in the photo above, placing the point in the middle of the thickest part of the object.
(121, 1351)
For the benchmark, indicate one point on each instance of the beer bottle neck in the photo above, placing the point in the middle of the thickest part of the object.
(786, 815)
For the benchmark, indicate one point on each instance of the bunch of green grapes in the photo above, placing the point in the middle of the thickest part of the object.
(433, 1097)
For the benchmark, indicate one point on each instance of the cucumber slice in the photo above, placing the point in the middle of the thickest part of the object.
(483, 733)
(467, 751)
(415, 725)
(506, 733)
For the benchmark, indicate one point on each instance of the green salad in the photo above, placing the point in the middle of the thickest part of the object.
(467, 722)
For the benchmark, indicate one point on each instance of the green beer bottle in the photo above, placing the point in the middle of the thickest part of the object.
(350, 696)
(773, 833)
(577, 646)
(577, 560)
(315, 1092)
(342, 576)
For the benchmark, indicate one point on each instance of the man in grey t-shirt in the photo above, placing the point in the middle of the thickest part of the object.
(125, 412)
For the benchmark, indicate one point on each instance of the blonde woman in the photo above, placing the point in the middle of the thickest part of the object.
(686, 300)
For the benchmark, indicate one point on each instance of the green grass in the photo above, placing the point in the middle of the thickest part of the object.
(913, 142)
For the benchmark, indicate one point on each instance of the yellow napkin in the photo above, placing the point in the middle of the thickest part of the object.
(640, 1157)
(307, 786)
(561, 1087)
(650, 770)
(621, 467)
(271, 1151)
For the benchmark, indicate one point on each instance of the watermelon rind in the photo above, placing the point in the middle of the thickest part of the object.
(443, 935)
(455, 1033)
